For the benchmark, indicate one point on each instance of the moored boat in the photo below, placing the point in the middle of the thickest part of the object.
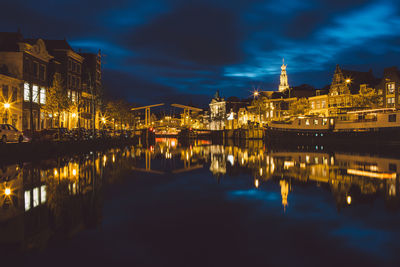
(362, 127)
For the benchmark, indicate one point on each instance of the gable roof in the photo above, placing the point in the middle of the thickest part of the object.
(359, 77)
(57, 44)
(9, 41)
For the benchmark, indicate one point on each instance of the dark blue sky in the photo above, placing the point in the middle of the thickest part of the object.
(182, 51)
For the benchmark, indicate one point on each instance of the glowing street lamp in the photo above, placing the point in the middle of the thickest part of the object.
(7, 191)
(6, 107)
(348, 80)
(256, 94)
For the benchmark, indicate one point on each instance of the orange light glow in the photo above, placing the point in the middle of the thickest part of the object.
(7, 191)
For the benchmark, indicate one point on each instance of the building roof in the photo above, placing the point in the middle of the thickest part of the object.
(359, 77)
(57, 44)
(390, 71)
(9, 41)
(272, 94)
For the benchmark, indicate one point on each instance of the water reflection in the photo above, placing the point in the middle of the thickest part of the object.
(350, 177)
(57, 198)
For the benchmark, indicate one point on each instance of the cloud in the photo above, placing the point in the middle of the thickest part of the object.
(190, 49)
(196, 33)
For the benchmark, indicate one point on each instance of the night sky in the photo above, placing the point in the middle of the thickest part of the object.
(183, 51)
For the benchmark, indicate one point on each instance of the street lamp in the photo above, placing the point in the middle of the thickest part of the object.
(255, 94)
(7, 191)
(6, 107)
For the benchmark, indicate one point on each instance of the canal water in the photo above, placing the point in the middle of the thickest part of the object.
(202, 205)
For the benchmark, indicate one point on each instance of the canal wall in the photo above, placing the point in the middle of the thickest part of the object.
(238, 134)
(21, 152)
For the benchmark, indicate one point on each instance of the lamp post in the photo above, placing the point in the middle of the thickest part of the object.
(256, 94)
(6, 108)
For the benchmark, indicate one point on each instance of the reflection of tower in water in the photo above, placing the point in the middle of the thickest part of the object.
(284, 193)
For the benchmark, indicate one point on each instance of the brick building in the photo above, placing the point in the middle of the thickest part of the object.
(27, 60)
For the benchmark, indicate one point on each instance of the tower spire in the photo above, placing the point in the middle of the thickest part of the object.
(283, 80)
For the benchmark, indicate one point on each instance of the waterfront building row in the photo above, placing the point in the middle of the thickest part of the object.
(28, 68)
(349, 91)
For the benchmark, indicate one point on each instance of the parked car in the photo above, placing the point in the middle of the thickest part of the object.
(52, 134)
(9, 133)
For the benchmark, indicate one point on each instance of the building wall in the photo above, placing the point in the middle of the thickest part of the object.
(217, 114)
(389, 88)
(11, 93)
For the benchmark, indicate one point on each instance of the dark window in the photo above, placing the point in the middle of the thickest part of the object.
(69, 64)
(26, 65)
(36, 69)
(5, 92)
(14, 94)
(79, 68)
(392, 167)
(42, 72)
(392, 118)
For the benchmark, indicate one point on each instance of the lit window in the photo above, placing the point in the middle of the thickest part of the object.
(35, 93)
(316, 122)
(390, 88)
(27, 95)
(27, 197)
(43, 194)
(35, 197)
(307, 122)
(323, 104)
(42, 96)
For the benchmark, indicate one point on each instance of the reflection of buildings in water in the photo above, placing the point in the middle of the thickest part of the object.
(344, 174)
(284, 193)
(218, 160)
(348, 176)
(40, 195)
(11, 181)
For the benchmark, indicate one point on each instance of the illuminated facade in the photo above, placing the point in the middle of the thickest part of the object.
(91, 90)
(217, 113)
(71, 75)
(27, 60)
(389, 88)
(343, 91)
(11, 93)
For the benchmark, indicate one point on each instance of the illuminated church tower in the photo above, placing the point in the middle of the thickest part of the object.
(284, 81)
(284, 193)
